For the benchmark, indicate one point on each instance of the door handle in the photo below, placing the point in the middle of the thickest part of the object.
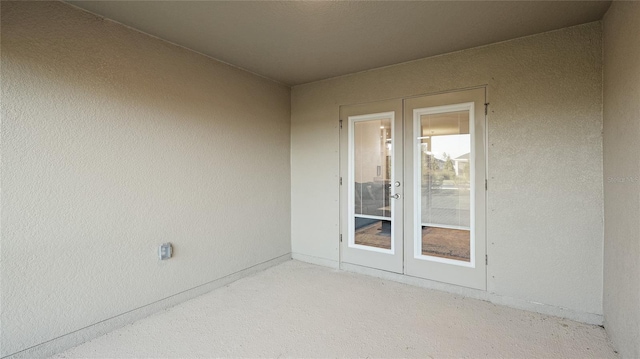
(395, 196)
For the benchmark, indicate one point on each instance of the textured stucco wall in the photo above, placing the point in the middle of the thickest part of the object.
(622, 176)
(114, 142)
(544, 216)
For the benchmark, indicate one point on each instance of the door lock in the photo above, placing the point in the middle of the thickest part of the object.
(395, 196)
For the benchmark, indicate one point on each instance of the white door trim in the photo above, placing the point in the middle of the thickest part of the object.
(417, 209)
(351, 183)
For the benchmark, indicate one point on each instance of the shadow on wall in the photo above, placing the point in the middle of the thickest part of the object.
(114, 66)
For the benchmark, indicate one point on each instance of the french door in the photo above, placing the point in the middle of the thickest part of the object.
(371, 166)
(413, 186)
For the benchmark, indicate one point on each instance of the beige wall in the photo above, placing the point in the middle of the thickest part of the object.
(545, 214)
(622, 176)
(114, 142)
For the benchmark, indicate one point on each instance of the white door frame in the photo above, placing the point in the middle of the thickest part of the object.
(385, 259)
(469, 106)
(351, 184)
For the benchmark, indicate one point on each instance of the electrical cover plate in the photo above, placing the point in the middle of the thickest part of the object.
(164, 251)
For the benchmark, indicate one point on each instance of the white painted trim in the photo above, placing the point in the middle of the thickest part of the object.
(373, 249)
(424, 257)
(85, 334)
(366, 216)
(435, 225)
(417, 171)
(351, 181)
(579, 316)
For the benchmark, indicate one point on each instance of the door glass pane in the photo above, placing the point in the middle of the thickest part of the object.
(372, 177)
(445, 185)
(373, 233)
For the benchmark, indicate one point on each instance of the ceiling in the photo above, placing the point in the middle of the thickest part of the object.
(304, 41)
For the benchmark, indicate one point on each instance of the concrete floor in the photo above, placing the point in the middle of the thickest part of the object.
(301, 310)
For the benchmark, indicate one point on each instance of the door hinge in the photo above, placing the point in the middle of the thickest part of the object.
(340, 124)
(486, 108)
(340, 237)
(341, 181)
(486, 185)
(486, 259)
